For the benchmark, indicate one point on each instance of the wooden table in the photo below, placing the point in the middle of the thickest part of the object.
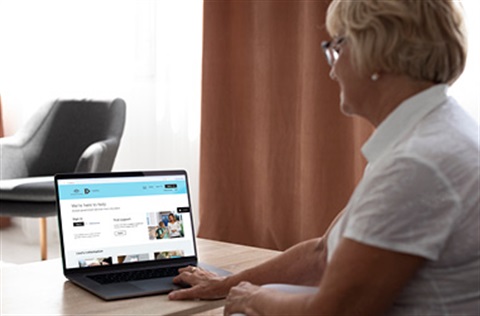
(41, 289)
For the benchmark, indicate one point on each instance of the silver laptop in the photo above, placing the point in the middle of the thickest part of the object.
(126, 234)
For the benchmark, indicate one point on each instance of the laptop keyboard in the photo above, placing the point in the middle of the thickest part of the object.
(136, 275)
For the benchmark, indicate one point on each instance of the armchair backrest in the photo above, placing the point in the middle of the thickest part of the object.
(70, 136)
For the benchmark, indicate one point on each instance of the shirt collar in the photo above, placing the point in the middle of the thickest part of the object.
(403, 119)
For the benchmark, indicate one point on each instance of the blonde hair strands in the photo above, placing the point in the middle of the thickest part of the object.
(423, 39)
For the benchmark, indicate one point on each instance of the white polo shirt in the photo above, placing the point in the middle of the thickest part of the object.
(420, 195)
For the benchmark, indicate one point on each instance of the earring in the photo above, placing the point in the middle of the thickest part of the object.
(375, 76)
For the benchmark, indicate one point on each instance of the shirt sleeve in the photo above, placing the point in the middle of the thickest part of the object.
(408, 207)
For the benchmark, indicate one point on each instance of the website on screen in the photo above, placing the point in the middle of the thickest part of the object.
(113, 221)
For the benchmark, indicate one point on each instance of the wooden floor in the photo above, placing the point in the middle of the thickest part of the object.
(19, 243)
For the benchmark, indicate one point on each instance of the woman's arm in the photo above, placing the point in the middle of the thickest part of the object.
(300, 264)
(360, 279)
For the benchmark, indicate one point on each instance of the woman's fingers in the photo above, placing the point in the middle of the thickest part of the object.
(204, 285)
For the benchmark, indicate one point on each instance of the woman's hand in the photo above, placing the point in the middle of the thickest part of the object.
(239, 300)
(204, 285)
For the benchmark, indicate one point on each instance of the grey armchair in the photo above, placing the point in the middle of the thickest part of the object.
(64, 136)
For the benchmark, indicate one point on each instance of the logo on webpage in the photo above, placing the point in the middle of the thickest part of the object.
(79, 192)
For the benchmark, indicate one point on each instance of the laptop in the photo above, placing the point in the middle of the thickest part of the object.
(126, 234)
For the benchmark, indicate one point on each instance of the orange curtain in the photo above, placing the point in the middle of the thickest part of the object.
(278, 160)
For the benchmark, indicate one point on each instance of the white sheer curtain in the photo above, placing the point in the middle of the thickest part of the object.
(465, 89)
(147, 52)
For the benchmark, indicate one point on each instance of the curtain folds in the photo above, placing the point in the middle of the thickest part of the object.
(278, 160)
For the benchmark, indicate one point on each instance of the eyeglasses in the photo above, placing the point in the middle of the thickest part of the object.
(332, 49)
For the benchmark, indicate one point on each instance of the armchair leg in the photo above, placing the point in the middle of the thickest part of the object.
(43, 238)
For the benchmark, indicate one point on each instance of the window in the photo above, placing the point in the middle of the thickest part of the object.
(465, 88)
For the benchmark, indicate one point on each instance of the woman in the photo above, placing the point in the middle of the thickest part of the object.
(174, 228)
(407, 242)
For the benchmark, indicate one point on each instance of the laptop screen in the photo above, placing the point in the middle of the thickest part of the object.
(120, 218)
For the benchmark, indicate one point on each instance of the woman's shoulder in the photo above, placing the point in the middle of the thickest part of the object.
(448, 136)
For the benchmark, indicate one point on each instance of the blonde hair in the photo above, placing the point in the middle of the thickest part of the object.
(423, 39)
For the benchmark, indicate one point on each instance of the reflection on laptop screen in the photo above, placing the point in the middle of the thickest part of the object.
(111, 221)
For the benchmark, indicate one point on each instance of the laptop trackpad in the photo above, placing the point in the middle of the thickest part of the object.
(160, 285)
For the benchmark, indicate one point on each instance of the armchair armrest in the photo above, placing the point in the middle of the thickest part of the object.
(90, 158)
(95, 158)
(12, 160)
